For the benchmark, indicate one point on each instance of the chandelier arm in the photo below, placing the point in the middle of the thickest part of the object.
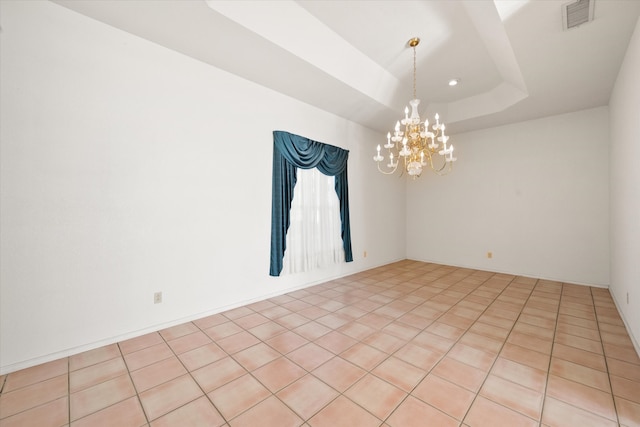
(439, 171)
(390, 172)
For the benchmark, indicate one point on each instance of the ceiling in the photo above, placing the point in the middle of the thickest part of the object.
(351, 58)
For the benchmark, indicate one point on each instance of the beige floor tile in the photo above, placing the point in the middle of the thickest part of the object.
(514, 396)
(33, 395)
(222, 330)
(210, 321)
(581, 374)
(95, 374)
(54, 413)
(147, 356)
(189, 342)
(307, 396)
(582, 396)
(36, 374)
(201, 356)
(198, 413)
(127, 413)
(525, 356)
(579, 342)
(178, 331)
(335, 342)
(92, 357)
(100, 396)
(376, 396)
(286, 342)
(364, 356)
(459, 373)
(484, 412)
(278, 374)
(218, 373)
(339, 373)
(384, 342)
(158, 373)
(342, 412)
(413, 413)
(310, 356)
(625, 388)
(392, 346)
(624, 369)
(256, 356)
(470, 356)
(237, 342)
(581, 357)
(235, 397)
(268, 330)
(169, 396)
(251, 320)
(139, 343)
(399, 373)
(312, 330)
(449, 398)
(628, 412)
(518, 373)
(560, 414)
(271, 412)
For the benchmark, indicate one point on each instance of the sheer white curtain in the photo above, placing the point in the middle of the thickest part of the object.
(313, 240)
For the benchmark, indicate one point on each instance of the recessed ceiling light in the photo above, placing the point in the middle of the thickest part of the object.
(454, 82)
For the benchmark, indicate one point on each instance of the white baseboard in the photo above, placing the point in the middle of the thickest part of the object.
(634, 341)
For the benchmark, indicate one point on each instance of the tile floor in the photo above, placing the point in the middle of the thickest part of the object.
(407, 344)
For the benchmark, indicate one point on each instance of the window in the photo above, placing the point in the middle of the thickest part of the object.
(313, 240)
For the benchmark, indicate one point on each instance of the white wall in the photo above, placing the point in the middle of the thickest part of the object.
(127, 169)
(534, 193)
(625, 188)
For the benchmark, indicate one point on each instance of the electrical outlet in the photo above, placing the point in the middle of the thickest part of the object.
(157, 298)
(489, 255)
(365, 254)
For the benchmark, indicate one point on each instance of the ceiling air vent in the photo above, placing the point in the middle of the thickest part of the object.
(577, 13)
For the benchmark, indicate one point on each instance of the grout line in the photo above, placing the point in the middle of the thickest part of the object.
(69, 390)
(604, 356)
(226, 422)
(498, 354)
(144, 412)
(553, 344)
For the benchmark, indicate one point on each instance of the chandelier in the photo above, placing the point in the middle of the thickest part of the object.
(414, 142)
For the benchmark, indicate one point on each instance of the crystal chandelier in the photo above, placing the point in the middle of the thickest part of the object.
(414, 142)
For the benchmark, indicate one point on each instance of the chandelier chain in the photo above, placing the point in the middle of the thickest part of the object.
(414, 72)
